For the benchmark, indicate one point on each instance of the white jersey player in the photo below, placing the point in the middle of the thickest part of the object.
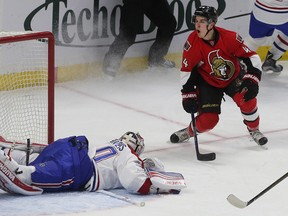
(267, 16)
(65, 165)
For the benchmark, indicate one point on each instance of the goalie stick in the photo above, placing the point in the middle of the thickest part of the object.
(202, 157)
(235, 201)
(123, 198)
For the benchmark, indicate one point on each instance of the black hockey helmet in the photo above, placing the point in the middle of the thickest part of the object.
(208, 12)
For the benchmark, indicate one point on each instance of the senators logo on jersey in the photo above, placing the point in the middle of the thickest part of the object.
(221, 69)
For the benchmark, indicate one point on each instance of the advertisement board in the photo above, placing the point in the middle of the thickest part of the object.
(84, 29)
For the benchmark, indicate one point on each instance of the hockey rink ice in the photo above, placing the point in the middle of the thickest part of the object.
(150, 102)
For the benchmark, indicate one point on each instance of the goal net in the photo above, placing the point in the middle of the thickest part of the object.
(27, 87)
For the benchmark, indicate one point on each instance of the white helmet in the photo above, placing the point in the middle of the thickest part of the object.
(134, 140)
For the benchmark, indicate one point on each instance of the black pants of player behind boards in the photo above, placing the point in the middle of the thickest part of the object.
(131, 24)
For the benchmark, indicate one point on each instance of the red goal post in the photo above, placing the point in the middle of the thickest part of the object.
(27, 79)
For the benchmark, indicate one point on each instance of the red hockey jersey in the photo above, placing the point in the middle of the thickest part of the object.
(217, 63)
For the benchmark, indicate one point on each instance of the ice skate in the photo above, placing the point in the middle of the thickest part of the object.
(270, 64)
(258, 137)
(110, 71)
(180, 136)
(111, 65)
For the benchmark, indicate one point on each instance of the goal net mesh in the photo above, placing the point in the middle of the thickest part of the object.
(24, 89)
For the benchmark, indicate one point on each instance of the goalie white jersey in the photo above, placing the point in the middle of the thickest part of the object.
(117, 167)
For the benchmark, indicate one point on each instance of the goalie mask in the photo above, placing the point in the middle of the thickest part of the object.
(134, 140)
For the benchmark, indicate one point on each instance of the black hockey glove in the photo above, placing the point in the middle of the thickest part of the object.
(189, 102)
(250, 84)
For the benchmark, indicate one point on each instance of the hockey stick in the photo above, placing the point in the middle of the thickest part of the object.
(188, 30)
(202, 157)
(152, 39)
(123, 198)
(235, 201)
(236, 16)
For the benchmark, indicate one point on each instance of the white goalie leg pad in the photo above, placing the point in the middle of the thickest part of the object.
(166, 181)
(10, 180)
(20, 156)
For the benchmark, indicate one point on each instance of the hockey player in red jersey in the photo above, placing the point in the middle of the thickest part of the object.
(217, 62)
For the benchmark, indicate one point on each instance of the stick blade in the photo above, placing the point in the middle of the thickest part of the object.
(206, 157)
(235, 201)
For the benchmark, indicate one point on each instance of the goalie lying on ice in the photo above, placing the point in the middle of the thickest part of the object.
(65, 165)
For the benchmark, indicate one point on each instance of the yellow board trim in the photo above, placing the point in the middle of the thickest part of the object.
(20, 80)
(81, 71)
(262, 52)
(129, 65)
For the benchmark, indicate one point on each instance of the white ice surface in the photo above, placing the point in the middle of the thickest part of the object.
(150, 102)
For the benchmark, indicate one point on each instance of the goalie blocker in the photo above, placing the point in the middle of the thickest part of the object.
(166, 182)
(163, 182)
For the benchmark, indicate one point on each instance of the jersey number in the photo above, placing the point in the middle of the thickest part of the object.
(104, 153)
